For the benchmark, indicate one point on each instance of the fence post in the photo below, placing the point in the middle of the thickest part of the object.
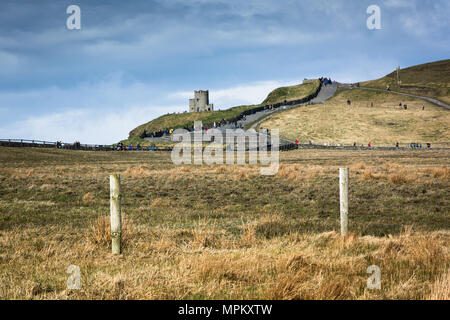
(343, 190)
(116, 221)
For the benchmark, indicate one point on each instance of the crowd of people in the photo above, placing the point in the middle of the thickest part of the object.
(415, 145)
(325, 81)
(121, 147)
(76, 145)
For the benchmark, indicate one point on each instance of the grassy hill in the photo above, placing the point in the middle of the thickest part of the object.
(175, 121)
(291, 93)
(383, 124)
(430, 80)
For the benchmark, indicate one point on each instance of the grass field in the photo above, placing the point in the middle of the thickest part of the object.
(429, 80)
(384, 124)
(224, 232)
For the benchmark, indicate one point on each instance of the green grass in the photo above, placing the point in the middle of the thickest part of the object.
(430, 80)
(291, 93)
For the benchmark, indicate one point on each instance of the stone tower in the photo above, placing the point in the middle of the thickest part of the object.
(200, 103)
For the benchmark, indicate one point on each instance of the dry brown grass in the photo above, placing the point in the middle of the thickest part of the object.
(368, 175)
(88, 198)
(249, 236)
(358, 166)
(400, 178)
(137, 171)
(441, 288)
(383, 125)
(442, 172)
(100, 232)
(321, 266)
(399, 174)
(224, 232)
(298, 172)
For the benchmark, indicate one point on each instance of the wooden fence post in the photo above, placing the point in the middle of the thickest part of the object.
(116, 220)
(343, 190)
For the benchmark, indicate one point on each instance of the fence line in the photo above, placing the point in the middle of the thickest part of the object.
(50, 144)
(93, 147)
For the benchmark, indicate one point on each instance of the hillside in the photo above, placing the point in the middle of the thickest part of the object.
(175, 121)
(291, 93)
(430, 80)
(384, 124)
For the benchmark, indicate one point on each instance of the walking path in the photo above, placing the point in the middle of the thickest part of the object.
(434, 101)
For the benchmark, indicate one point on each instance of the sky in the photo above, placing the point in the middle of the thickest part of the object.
(133, 61)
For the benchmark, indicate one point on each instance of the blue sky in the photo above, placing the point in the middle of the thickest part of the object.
(135, 60)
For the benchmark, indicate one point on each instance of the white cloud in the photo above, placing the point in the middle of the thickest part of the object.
(86, 126)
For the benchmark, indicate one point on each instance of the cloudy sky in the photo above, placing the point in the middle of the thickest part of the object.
(132, 61)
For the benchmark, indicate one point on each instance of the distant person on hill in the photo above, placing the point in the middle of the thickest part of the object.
(388, 88)
(429, 145)
(397, 145)
(423, 107)
(370, 145)
(371, 104)
(400, 105)
(296, 142)
(349, 102)
(405, 107)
